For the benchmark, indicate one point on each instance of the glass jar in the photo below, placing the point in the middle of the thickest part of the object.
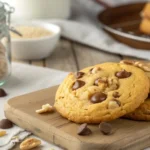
(40, 9)
(5, 42)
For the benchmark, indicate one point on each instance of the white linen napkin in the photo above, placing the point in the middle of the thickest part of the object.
(25, 79)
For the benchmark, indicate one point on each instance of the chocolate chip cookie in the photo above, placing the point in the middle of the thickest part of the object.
(145, 66)
(142, 112)
(102, 92)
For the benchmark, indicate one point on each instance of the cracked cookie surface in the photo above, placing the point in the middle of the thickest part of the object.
(101, 93)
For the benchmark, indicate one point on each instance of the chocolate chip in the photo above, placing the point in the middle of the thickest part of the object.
(78, 84)
(84, 130)
(116, 95)
(98, 97)
(79, 75)
(99, 80)
(2, 93)
(123, 74)
(6, 124)
(105, 128)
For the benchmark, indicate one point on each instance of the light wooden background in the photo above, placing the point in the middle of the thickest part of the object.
(72, 56)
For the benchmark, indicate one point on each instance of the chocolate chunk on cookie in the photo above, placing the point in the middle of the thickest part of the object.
(98, 97)
(123, 74)
(79, 75)
(78, 84)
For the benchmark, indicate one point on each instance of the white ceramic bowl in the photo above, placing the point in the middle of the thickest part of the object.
(36, 48)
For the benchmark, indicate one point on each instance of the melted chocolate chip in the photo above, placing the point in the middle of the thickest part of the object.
(116, 95)
(2, 93)
(99, 80)
(123, 74)
(105, 128)
(78, 84)
(79, 75)
(6, 124)
(84, 130)
(98, 97)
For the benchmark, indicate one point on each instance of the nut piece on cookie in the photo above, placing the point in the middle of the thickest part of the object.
(2, 133)
(45, 108)
(114, 104)
(95, 70)
(138, 64)
(30, 143)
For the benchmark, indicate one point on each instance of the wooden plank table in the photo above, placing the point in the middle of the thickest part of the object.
(71, 56)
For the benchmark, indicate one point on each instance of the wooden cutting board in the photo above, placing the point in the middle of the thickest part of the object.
(128, 135)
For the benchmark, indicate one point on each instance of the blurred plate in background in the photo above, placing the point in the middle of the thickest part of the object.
(122, 23)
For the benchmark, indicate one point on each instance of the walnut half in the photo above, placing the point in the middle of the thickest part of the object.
(30, 143)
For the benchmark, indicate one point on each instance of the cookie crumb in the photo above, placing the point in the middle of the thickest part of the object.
(45, 108)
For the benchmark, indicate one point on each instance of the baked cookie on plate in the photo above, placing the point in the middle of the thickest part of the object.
(102, 92)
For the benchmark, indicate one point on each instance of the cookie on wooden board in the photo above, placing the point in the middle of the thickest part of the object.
(142, 113)
(102, 92)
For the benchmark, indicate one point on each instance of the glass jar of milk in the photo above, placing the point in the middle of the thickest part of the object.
(40, 9)
(5, 51)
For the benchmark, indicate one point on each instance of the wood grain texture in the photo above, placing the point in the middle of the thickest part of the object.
(62, 58)
(128, 135)
(86, 56)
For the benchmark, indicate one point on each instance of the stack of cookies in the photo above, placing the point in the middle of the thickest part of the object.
(145, 24)
(105, 92)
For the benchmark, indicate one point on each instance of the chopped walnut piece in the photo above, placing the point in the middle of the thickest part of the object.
(45, 108)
